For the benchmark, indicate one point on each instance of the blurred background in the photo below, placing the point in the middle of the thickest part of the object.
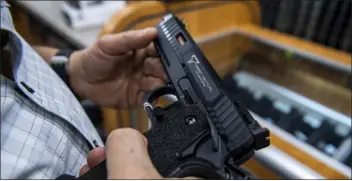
(288, 61)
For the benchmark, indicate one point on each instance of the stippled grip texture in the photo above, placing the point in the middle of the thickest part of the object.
(170, 135)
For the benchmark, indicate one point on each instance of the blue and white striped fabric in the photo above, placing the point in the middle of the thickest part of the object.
(44, 130)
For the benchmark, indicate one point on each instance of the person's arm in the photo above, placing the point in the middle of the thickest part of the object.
(46, 52)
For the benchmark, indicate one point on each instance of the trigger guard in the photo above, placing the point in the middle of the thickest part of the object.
(196, 169)
(152, 95)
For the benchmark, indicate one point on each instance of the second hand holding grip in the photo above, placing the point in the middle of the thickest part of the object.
(176, 129)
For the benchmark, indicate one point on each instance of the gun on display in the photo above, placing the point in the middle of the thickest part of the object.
(204, 133)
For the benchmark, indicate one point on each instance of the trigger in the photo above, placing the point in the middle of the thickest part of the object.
(151, 96)
(158, 112)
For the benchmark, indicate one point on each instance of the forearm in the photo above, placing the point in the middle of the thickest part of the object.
(45, 52)
(48, 52)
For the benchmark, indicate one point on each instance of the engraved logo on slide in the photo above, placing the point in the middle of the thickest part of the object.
(194, 59)
(199, 72)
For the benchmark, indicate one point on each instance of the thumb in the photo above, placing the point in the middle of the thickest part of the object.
(121, 43)
(95, 156)
(127, 156)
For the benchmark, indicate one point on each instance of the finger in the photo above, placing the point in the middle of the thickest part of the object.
(153, 67)
(84, 169)
(96, 156)
(150, 82)
(127, 156)
(151, 50)
(121, 43)
(139, 57)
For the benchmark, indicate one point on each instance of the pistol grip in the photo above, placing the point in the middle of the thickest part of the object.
(171, 133)
(168, 136)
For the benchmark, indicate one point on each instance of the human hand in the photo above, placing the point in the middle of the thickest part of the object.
(117, 69)
(95, 156)
(126, 156)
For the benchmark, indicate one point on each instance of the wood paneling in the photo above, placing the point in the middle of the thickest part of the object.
(259, 170)
(264, 173)
(202, 17)
(298, 43)
(303, 157)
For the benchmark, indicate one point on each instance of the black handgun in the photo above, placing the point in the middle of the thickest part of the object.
(203, 133)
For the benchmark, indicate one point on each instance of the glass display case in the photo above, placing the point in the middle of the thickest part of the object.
(302, 98)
